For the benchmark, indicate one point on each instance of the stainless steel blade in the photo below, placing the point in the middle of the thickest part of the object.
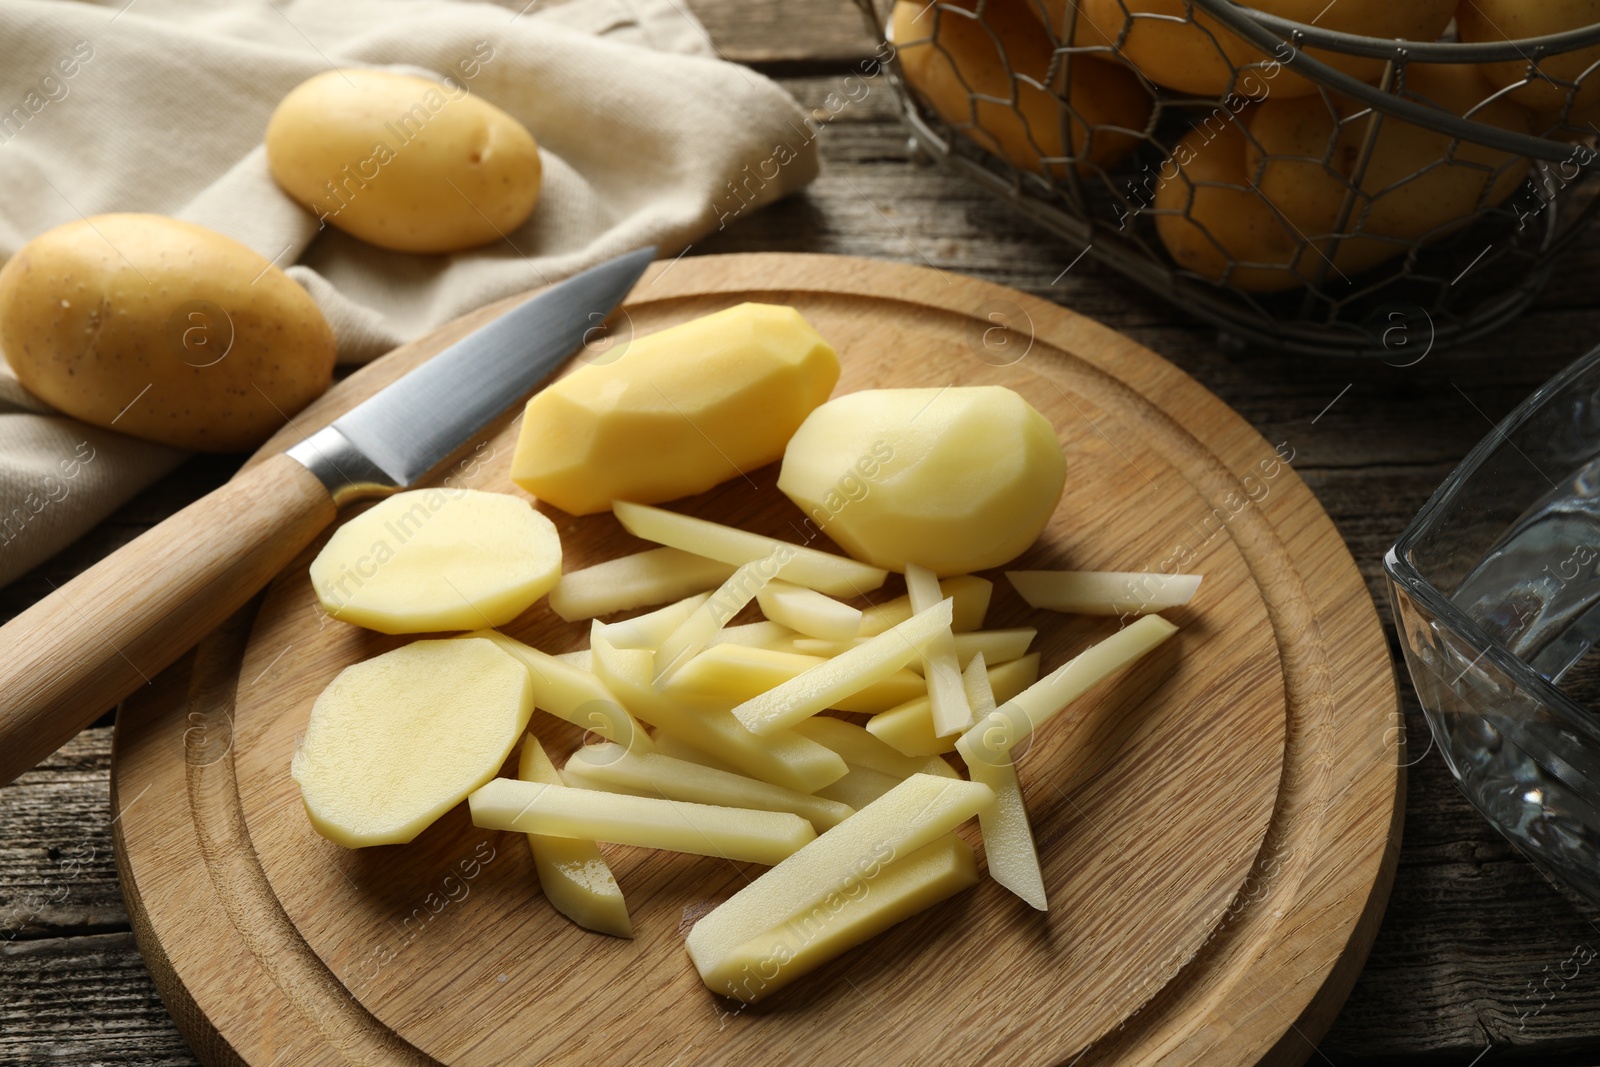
(409, 427)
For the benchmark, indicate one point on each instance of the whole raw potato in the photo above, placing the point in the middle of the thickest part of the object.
(163, 330)
(1157, 38)
(966, 72)
(1543, 93)
(956, 480)
(403, 162)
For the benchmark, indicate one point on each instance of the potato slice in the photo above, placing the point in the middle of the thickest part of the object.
(1104, 592)
(842, 862)
(570, 692)
(998, 732)
(972, 476)
(859, 787)
(784, 758)
(691, 637)
(774, 958)
(724, 676)
(675, 412)
(438, 559)
(970, 593)
(655, 576)
(859, 748)
(809, 612)
(822, 571)
(946, 698)
(738, 834)
(615, 770)
(396, 741)
(579, 659)
(909, 727)
(831, 681)
(572, 873)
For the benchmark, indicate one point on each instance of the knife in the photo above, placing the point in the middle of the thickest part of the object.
(113, 628)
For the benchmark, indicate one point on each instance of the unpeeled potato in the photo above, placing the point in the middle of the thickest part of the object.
(1271, 209)
(982, 75)
(1494, 21)
(1159, 40)
(402, 162)
(163, 330)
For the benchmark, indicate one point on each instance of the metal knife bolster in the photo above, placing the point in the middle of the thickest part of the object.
(342, 468)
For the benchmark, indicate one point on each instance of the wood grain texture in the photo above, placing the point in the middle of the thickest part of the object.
(1237, 736)
(114, 627)
(1470, 924)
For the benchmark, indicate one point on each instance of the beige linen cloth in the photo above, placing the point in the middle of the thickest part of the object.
(641, 129)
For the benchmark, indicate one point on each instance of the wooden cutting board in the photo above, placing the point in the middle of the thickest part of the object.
(1217, 843)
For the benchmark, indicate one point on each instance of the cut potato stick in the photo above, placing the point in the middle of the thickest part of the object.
(784, 758)
(739, 834)
(653, 627)
(1014, 721)
(774, 958)
(809, 612)
(909, 727)
(1008, 846)
(831, 681)
(573, 694)
(912, 814)
(669, 744)
(613, 769)
(822, 571)
(636, 581)
(1104, 592)
(724, 676)
(763, 634)
(579, 659)
(859, 787)
(997, 646)
(970, 593)
(946, 698)
(860, 749)
(572, 873)
(692, 636)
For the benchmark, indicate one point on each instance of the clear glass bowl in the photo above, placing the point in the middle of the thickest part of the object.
(1496, 593)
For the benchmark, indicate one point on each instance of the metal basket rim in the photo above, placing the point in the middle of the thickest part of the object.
(1356, 44)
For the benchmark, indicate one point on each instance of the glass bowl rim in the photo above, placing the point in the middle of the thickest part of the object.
(1401, 572)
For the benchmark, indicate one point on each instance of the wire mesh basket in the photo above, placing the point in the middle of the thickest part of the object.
(1296, 185)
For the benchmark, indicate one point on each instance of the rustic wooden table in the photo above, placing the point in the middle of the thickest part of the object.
(1478, 959)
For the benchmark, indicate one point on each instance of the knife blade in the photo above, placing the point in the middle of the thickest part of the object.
(94, 640)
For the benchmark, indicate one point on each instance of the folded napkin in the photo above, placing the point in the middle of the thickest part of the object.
(642, 132)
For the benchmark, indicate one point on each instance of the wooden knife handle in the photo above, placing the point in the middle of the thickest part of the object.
(113, 628)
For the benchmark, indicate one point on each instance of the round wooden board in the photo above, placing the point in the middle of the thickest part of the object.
(1217, 844)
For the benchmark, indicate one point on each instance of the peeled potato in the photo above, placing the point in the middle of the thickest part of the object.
(438, 559)
(402, 162)
(971, 477)
(1495, 21)
(162, 330)
(678, 412)
(1157, 38)
(968, 70)
(396, 741)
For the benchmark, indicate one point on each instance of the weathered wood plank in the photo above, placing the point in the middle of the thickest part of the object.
(1470, 924)
(829, 31)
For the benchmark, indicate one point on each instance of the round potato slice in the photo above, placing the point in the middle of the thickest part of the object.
(955, 479)
(438, 559)
(396, 741)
